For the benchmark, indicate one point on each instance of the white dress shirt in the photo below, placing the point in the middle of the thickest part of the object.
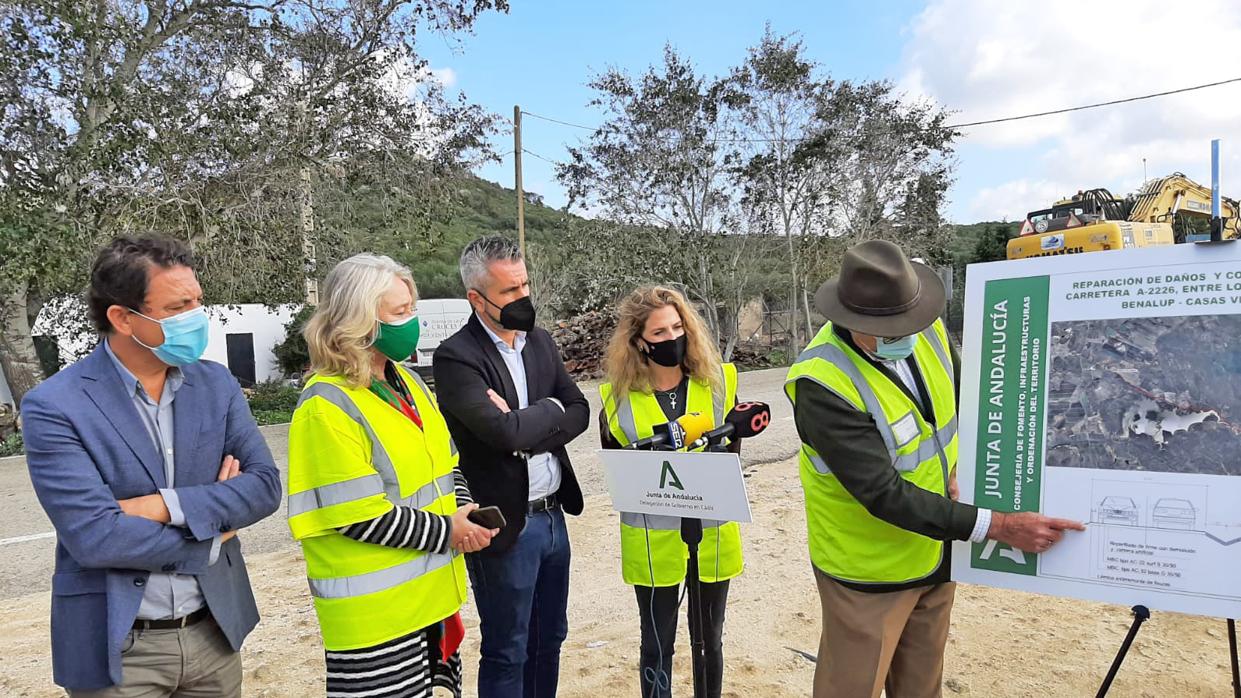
(544, 468)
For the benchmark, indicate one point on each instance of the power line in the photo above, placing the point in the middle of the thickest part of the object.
(956, 126)
(556, 121)
(549, 161)
(1095, 106)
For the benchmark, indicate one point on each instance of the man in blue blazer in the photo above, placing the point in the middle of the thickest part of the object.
(148, 462)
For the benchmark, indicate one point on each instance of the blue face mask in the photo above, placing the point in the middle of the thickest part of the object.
(185, 337)
(895, 349)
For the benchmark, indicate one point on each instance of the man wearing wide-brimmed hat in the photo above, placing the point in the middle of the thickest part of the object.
(875, 401)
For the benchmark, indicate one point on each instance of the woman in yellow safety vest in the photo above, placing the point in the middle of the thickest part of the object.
(375, 497)
(662, 363)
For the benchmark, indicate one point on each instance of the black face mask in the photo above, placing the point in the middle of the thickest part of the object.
(670, 352)
(518, 315)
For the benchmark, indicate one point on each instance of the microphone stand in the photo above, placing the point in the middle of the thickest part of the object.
(691, 533)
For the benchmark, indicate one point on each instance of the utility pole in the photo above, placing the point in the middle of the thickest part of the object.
(521, 195)
(306, 210)
(1217, 223)
(307, 206)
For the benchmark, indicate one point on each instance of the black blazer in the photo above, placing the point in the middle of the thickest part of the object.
(490, 441)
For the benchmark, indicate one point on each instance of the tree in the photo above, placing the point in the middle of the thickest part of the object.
(292, 354)
(786, 185)
(579, 270)
(661, 160)
(992, 245)
(772, 151)
(212, 119)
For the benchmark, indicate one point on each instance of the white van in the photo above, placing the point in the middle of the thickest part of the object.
(440, 318)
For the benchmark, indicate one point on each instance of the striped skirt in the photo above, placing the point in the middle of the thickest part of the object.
(407, 667)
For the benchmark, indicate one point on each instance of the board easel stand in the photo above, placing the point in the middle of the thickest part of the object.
(1141, 614)
(691, 535)
(629, 467)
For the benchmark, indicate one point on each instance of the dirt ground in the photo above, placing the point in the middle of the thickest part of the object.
(1002, 643)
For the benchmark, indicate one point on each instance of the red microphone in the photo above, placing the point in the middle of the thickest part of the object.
(746, 420)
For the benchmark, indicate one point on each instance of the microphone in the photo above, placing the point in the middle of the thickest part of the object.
(674, 435)
(743, 421)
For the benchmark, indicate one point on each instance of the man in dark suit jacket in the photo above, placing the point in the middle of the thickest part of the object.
(147, 462)
(512, 408)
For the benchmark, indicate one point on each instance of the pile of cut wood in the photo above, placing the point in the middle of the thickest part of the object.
(752, 356)
(583, 341)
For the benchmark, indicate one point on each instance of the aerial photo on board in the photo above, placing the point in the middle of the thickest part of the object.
(1158, 394)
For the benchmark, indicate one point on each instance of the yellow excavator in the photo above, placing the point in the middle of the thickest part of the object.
(1164, 212)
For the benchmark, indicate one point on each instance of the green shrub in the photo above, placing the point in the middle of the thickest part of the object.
(291, 354)
(266, 417)
(11, 445)
(272, 402)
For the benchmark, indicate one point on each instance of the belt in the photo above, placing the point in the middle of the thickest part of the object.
(173, 623)
(547, 503)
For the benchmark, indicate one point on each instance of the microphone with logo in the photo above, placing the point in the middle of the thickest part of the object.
(673, 436)
(743, 421)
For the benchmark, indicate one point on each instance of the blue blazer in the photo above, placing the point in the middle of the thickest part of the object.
(87, 447)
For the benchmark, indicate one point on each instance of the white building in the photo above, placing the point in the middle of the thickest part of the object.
(241, 337)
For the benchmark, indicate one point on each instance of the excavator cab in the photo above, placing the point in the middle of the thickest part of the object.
(1089, 221)
(1085, 234)
(1164, 212)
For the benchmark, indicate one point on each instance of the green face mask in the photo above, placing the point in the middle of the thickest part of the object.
(397, 340)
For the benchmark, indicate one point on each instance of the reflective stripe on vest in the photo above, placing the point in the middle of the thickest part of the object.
(902, 462)
(371, 582)
(624, 411)
(363, 487)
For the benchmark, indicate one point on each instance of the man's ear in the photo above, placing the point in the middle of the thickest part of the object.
(121, 319)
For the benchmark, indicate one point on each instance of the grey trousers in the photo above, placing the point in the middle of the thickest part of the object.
(192, 662)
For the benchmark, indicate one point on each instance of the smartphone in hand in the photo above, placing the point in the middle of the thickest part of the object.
(487, 517)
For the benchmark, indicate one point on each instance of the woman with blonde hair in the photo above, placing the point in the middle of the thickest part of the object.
(662, 362)
(375, 497)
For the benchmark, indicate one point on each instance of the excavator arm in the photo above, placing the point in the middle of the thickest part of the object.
(1182, 202)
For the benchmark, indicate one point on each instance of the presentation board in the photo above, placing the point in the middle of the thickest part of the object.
(1106, 387)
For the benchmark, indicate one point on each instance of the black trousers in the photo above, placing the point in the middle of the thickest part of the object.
(658, 608)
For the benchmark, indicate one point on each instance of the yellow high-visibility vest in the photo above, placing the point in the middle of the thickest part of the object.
(352, 458)
(846, 541)
(651, 542)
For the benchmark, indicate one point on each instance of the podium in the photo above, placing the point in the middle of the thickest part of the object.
(664, 485)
